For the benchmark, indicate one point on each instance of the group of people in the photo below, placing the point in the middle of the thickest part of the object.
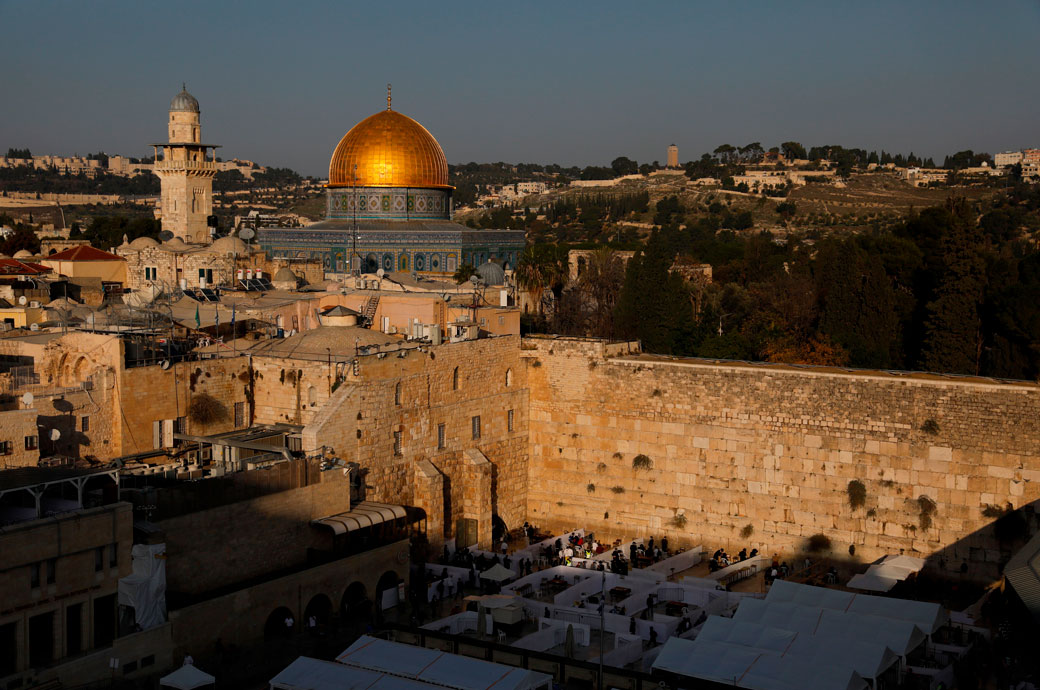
(720, 559)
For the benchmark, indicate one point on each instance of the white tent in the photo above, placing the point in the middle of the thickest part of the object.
(497, 573)
(884, 575)
(927, 616)
(872, 582)
(432, 666)
(187, 677)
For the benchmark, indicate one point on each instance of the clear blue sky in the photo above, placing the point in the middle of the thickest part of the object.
(572, 83)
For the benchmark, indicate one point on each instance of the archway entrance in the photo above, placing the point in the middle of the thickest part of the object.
(320, 606)
(386, 591)
(498, 528)
(275, 626)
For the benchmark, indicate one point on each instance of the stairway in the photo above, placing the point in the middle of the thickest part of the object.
(369, 312)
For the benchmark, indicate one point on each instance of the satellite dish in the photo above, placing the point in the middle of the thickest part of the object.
(34, 327)
(22, 300)
(246, 234)
(165, 364)
(474, 279)
(380, 273)
(165, 235)
(55, 434)
(27, 399)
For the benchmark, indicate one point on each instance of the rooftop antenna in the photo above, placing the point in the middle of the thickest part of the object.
(388, 96)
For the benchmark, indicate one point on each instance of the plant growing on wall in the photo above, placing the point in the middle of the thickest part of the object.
(927, 508)
(857, 494)
(817, 543)
(931, 427)
(601, 467)
(618, 489)
(642, 462)
(591, 488)
(746, 531)
(679, 521)
(205, 409)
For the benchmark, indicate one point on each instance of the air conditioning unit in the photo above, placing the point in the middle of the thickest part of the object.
(240, 273)
(35, 304)
(259, 274)
(249, 274)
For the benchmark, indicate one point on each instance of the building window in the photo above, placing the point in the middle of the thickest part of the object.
(440, 437)
(34, 575)
(397, 443)
(397, 394)
(6, 447)
(476, 428)
(52, 570)
(180, 425)
(509, 420)
(151, 273)
(240, 414)
(455, 379)
(99, 559)
(113, 555)
(84, 424)
(31, 443)
(509, 378)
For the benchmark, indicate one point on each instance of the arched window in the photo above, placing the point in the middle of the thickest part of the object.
(312, 396)
(455, 379)
(509, 378)
(397, 394)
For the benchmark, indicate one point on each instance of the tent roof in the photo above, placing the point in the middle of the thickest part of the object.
(497, 573)
(927, 616)
(187, 677)
(438, 668)
(1023, 573)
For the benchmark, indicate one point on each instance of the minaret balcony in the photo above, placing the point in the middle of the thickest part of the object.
(185, 166)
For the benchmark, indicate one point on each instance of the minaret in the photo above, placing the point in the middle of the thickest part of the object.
(186, 173)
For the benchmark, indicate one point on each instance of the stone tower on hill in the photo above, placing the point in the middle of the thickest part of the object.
(186, 173)
(673, 156)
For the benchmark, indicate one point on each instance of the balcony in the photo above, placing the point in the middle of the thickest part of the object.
(185, 165)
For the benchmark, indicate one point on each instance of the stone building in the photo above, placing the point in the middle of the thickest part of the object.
(186, 173)
(388, 178)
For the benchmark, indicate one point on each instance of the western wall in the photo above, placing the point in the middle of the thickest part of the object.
(734, 454)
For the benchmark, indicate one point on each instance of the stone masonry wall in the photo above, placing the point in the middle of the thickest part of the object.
(772, 450)
(366, 403)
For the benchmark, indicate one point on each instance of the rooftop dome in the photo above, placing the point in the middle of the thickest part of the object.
(23, 254)
(284, 275)
(175, 244)
(143, 243)
(184, 102)
(230, 245)
(491, 273)
(389, 150)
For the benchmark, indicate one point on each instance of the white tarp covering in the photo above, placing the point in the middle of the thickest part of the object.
(927, 616)
(883, 576)
(438, 668)
(187, 677)
(747, 668)
(145, 588)
(497, 573)
(900, 636)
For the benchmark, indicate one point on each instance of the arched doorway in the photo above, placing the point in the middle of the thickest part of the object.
(355, 604)
(498, 528)
(403, 263)
(275, 626)
(387, 581)
(320, 606)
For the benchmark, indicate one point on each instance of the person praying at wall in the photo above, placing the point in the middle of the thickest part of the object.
(742, 556)
(664, 544)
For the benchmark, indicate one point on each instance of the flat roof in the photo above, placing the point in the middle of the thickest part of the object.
(24, 477)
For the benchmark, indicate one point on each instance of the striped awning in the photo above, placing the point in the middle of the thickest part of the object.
(364, 514)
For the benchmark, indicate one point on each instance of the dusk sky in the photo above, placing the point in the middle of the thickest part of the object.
(280, 82)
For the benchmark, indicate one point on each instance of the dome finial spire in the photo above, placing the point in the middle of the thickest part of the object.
(184, 86)
(388, 96)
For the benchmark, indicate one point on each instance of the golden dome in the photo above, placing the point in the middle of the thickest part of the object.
(390, 150)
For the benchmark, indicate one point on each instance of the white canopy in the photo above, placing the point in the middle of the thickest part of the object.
(497, 573)
(883, 576)
(187, 677)
(747, 668)
(431, 666)
(927, 616)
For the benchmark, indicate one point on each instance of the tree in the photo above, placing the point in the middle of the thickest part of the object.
(23, 237)
(792, 150)
(464, 272)
(542, 267)
(624, 166)
(653, 305)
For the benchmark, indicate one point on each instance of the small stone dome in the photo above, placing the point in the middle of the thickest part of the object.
(184, 102)
(284, 275)
(175, 245)
(23, 254)
(230, 245)
(143, 243)
(491, 273)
